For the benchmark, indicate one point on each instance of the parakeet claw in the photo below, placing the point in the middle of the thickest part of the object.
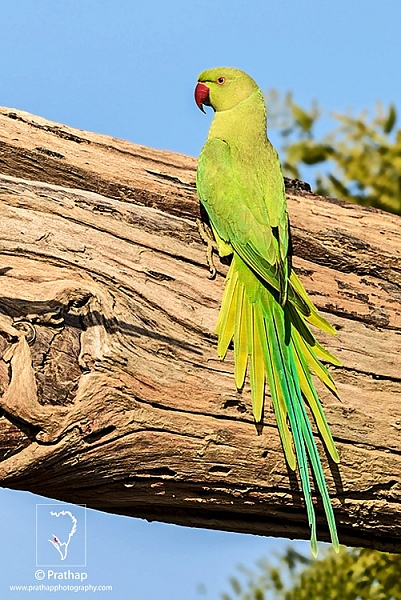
(207, 238)
(210, 262)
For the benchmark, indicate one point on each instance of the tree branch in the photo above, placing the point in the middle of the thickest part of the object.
(112, 393)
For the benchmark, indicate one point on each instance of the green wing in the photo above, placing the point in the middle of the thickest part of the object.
(239, 212)
(250, 217)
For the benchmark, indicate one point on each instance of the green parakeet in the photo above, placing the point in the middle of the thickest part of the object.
(265, 309)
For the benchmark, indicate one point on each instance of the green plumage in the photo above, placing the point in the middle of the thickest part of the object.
(265, 309)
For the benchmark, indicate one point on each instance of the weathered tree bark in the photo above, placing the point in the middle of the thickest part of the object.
(112, 393)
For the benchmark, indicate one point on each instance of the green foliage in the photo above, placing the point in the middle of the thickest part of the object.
(353, 574)
(361, 155)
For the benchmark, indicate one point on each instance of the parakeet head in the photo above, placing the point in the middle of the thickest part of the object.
(223, 88)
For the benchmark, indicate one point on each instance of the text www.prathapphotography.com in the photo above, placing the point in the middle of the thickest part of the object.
(61, 588)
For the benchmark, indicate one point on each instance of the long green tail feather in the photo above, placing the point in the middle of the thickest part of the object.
(314, 318)
(240, 339)
(278, 400)
(325, 355)
(292, 396)
(281, 349)
(314, 363)
(309, 392)
(226, 321)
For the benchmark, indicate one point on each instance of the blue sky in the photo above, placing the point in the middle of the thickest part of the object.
(128, 68)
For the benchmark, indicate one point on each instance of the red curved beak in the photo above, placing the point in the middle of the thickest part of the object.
(202, 96)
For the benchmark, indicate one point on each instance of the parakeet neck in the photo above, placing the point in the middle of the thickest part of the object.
(243, 125)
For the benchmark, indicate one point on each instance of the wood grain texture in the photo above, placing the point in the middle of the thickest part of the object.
(112, 393)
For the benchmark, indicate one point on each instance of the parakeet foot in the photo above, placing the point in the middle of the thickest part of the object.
(207, 238)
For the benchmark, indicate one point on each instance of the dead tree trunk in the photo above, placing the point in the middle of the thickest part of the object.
(112, 393)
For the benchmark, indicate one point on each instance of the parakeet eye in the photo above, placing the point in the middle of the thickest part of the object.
(220, 80)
